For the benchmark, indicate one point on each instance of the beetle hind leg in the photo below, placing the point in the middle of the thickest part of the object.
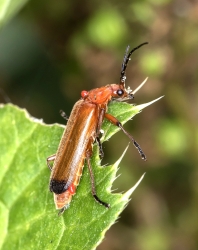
(93, 188)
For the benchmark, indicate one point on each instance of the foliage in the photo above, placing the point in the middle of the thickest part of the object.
(29, 220)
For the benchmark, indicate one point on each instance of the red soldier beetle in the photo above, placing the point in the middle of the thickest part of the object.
(82, 130)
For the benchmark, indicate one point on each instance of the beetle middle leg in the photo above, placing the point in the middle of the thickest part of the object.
(93, 188)
(101, 153)
(100, 120)
(115, 121)
(50, 159)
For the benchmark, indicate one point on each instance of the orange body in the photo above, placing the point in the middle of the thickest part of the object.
(83, 128)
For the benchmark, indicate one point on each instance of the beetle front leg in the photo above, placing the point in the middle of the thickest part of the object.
(115, 121)
(93, 188)
(50, 159)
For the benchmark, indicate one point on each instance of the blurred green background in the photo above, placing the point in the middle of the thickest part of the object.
(52, 50)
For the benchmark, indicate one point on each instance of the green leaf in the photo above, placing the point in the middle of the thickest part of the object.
(8, 8)
(28, 219)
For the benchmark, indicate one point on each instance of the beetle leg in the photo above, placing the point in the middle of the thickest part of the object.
(64, 115)
(100, 120)
(49, 159)
(93, 189)
(115, 121)
(101, 153)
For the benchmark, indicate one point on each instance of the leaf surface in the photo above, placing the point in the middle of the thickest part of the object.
(28, 219)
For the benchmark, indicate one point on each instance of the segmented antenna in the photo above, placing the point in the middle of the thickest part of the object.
(126, 60)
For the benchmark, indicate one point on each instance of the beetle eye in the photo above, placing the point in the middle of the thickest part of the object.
(120, 92)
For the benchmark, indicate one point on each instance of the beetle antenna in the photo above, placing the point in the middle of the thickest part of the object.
(125, 62)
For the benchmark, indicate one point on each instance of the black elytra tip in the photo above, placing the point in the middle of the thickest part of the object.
(58, 187)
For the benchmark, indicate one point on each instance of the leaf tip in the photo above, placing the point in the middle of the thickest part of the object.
(116, 164)
(127, 194)
(142, 106)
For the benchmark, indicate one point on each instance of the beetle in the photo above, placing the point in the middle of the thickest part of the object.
(82, 130)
